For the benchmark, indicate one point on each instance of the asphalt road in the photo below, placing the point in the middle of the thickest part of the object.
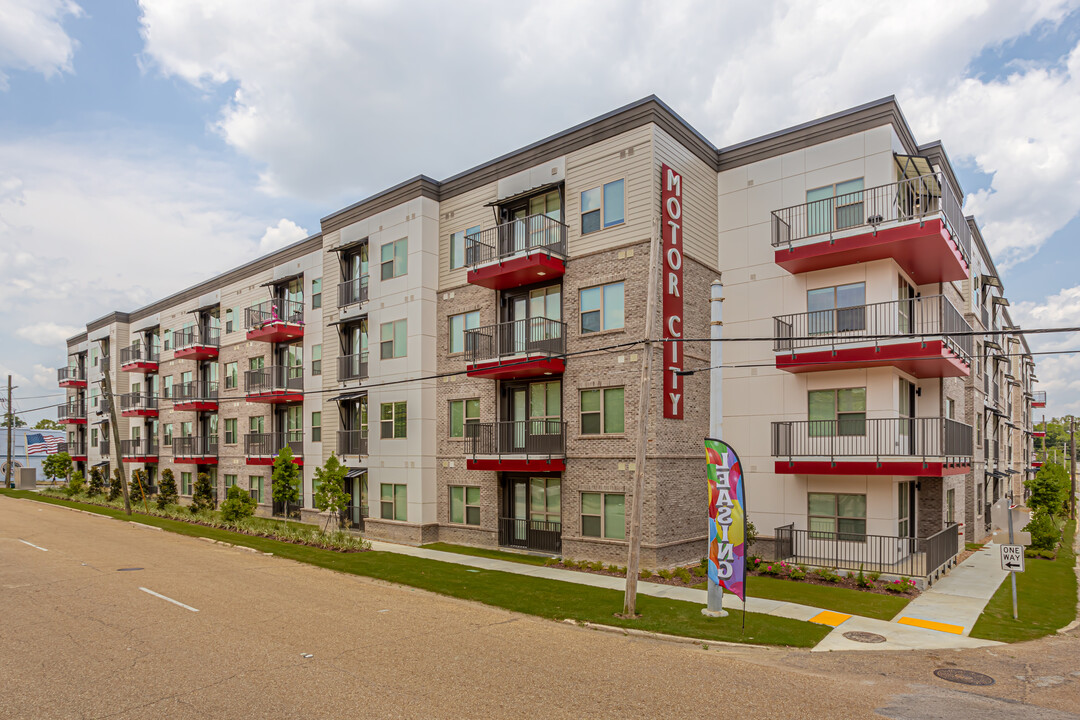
(80, 636)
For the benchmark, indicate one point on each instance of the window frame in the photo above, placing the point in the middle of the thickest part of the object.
(457, 245)
(465, 317)
(466, 506)
(395, 423)
(398, 263)
(465, 419)
(836, 533)
(232, 375)
(186, 484)
(601, 210)
(316, 360)
(316, 293)
(316, 426)
(393, 502)
(393, 341)
(232, 429)
(602, 516)
(601, 309)
(836, 419)
(602, 412)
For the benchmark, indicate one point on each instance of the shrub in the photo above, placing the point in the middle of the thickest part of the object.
(753, 562)
(902, 586)
(75, 484)
(874, 576)
(1045, 554)
(684, 575)
(167, 493)
(137, 488)
(116, 486)
(1049, 489)
(202, 497)
(827, 575)
(797, 573)
(751, 534)
(665, 574)
(285, 481)
(768, 568)
(549, 562)
(704, 564)
(56, 466)
(331, 497)
(1044, 532)
(614, 569)
(862, 581)
(97, 483)
(238, 505)
(645, 574)
(699, 571)
(597, 565)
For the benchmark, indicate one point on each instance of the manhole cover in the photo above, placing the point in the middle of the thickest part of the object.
(865, 637)
(964, 677)
(127, 569)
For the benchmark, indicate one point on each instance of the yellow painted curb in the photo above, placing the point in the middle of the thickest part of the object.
(931, 625)
(830, 618)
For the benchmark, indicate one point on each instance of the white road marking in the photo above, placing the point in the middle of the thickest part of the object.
(169, 599)
(32, 545)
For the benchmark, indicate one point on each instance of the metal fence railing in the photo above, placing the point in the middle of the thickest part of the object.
(71, 410)
(278, 310)
(540, 438)
(268, 445)
(138, 401)
(139, 447)
(858, 436)
(1038, 397)
(533, 233)
(195, 446)
(69, 373)
(353, 367)
(910, 199)
(539, 535)
(74, 448)
(195, 391)
(194, 337)
(353, 516)
(529, 336)
(274, 379)
(352, 442)
(353, 291)
(139, 353)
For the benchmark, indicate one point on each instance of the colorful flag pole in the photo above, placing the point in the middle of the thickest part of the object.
(727, 526)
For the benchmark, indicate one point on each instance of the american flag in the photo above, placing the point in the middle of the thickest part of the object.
(42, 443)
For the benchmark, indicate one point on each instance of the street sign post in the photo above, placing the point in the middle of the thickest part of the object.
(1012, 558)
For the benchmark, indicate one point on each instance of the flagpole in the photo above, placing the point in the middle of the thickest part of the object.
(715, 594)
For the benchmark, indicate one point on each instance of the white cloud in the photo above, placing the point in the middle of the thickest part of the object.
(32, 37)
(47, 333)
(1059, 375)
(280, 235)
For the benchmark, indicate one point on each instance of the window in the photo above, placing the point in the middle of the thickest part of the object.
(836, 206)
(93, 437)
(316, 359)
(610, 200)
(316, 293)
(461, 413)
(837, 515)
(232, 375)
(395, 259)
(166, 430)
(94, 356)
(230, 320)
(256, 425)
(185, 483)
(836, 309)
(950, 408)
(393, 502)
(545, 500)
(458, 325)
(94, 393)
(230, 431)
(837, 412)
(256, 363)
(603, 515)
(465, 505)
(457, 246)
(393, 420)
(316, 427)
(602, 411)
(950, 506)
(255, 485)
(602, 308)
(166, 389)
(166, 341)
(392, 340)
(185, 429)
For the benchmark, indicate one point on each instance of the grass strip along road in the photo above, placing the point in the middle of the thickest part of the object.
(1046, 598)
(551, 599)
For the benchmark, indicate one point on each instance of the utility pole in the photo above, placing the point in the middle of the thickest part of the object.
(637, 499)
(10, 433)
(116, 433)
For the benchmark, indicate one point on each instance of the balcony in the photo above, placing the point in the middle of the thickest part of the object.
(353, 367)
(917, 222)
(932, 447)
(195, 449)
(72, 413)
(911, 335)
(352, 442)
(1038, 399)
(71, 377)
(139, 359)
(194, 344)
(140, 450)
(75, 449)
(516, 253)
(518, 349)
(138, 405)
(535, 535)
(516, 445)
(352, 292)
(274, 321)
(262, 448)
(199, 395)
(275, 384)
(103, 446)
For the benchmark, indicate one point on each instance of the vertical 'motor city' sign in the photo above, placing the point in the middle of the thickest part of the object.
(671, 232)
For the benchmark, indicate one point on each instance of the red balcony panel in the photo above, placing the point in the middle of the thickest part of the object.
(516, 271)
(871, 467)
(72, 383)
(203, 405)
(196, 460)
(510, 368)
(78, 458)
(197, 352)
(140, 412)
(926, 251)
(517, 465)
(1038, 433)
(276, 396)
(140, 366)
(263, 460)
(1036, 463)
(276, 332)
(151, 459)
(72, 420)
(929, 359)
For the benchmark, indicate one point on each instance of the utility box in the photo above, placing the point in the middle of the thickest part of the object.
(27, 479)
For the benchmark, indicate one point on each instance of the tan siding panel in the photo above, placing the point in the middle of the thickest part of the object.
(699, 184)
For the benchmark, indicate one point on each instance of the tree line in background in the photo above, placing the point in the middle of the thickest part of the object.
(1055, 446)
(1048, 498)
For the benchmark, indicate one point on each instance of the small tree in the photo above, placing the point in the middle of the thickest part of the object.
(167, 493)
(75, 484)
(202, 498)
(138, 488)
(10, 418)
(286, 480)
(116, 489)
(1049, 489)
(1044, 532)
(331, 496)
(97, 483)
(47, 424)
(56, 466)
(238, 505)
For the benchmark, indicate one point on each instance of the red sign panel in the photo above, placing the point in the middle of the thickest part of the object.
(671, 232)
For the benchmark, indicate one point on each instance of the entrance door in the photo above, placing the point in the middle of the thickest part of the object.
(519, 415)
(906, 423)
(905, 308)
(520, 516)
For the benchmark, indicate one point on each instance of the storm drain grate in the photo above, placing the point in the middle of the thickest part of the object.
(964, 677)
(127, 569)
(865, 637)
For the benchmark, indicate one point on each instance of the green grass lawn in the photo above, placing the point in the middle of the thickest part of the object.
(973, 546)
(1046, 598)
(534, 596)
(487, 553)
(845, 600)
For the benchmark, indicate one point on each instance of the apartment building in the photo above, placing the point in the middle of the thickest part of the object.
(477, 361)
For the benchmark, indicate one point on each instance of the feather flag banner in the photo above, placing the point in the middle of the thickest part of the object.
(727, 517)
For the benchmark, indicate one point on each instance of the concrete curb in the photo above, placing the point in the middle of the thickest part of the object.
(615, 630)
(143, 525)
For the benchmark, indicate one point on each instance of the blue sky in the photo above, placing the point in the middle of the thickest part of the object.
(131, 129)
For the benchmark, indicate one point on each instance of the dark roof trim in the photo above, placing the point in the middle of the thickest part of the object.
(419, 186)
(114, 317)
(279, 281)
(355, 472)
(76, 339)
(346, 321)
(349, 246)
(351, 395)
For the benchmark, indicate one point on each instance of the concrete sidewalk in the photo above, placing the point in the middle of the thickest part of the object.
(898, 637)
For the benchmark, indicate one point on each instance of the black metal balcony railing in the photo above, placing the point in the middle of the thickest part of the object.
(910, 199)
(194, 337)
(195, 446)
(533, 233)
(196, 391)
(138, 401)
(264, 445)
(140, 447)
(353, 367)
(920, 317)
(273, 379)
(985, 316)
(541, 438)
(530, 336)
(71, 410)
(103, 445)
(1039, 397)
(69, 373)
(996, 393)
(72, 447)
(352, 291)
(539, 535)
(278, 310)
(139, 353)
(353, 515)
(872, 437)
(352, 442)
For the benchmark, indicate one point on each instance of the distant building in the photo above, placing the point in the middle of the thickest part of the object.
(19, 456)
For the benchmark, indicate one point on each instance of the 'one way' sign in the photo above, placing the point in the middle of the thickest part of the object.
(1012, 558)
